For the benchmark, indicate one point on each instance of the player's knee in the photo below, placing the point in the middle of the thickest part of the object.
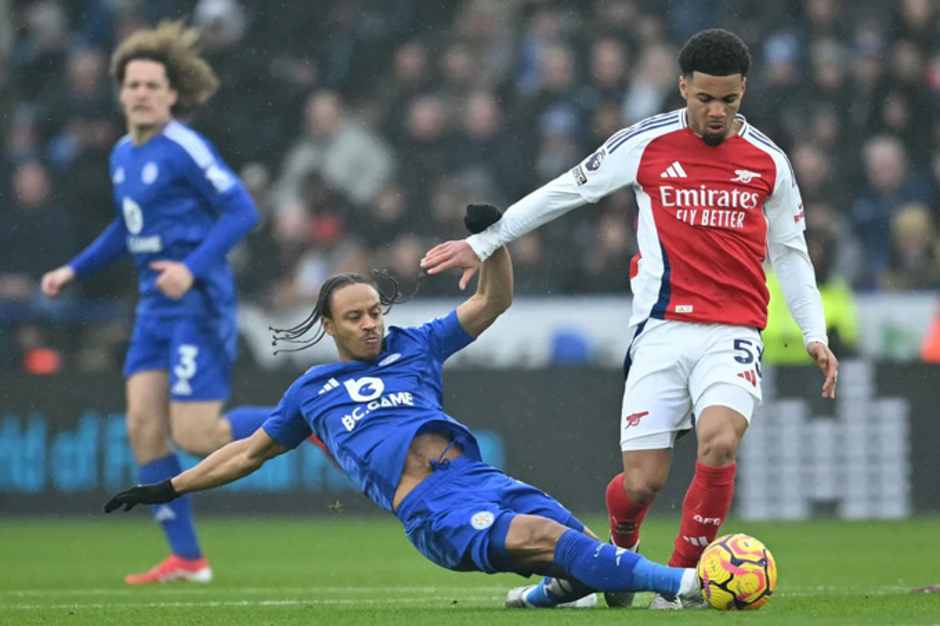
(643, 487)
(193, 441)
(533, 538)
(718, 448)
(200, 437)
(145, 430)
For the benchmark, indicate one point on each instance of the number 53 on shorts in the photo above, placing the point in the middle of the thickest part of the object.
(749, 352)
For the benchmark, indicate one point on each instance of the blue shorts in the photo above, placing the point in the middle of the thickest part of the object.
(458, 516)
(198, 354)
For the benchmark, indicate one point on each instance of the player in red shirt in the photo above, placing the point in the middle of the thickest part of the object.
(714, 197)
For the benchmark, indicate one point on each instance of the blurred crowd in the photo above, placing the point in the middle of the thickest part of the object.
(363, 127)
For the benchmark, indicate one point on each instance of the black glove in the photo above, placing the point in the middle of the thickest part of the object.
(156, 493)
(480, 216)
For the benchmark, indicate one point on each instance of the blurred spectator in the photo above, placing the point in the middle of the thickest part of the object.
(37, 357)
(390, 212)
(401, 258)
(460, 74)
(607, 74)
(427, 149)
(258, 262)
(32, 232)
(348, 155)
(828, 223)
(313, 248)
(38, 60)
(486, 29)
(545, 28)
(779, 106)
(889, 184)
(824, 19)
(411, 76)
(485, 143)
(819, 181)
(85, 89)
(608, 247)
(868, 76)
(558, 145)
(243, 78)
(536, 270)
(916, 22)
(914, 262)
(908, 107)
(555, 95)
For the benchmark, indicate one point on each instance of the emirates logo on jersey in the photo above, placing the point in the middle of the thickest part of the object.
(705, 196)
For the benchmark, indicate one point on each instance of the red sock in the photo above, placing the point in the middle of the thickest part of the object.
(624, 516)
(705, 507)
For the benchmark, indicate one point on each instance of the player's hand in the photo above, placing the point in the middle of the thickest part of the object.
(174, 280)
(452, 254)
(55, 281)
(829, 365)
(156, 493)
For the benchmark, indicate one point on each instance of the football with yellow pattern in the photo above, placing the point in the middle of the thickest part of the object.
(737, 572)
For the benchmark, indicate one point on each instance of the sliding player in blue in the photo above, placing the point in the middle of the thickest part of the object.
(379, 411)
(180, 209)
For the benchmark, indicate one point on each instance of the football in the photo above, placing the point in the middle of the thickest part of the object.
(737, 572)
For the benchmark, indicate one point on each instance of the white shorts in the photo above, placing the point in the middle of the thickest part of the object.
(677, 369)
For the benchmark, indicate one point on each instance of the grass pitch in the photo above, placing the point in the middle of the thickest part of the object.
(347, 570)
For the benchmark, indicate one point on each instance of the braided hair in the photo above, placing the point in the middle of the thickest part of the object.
(323, 308)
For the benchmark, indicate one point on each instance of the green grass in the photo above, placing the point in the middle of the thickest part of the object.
(346, 570)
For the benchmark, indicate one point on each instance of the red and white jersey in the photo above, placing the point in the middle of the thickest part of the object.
(705, 215)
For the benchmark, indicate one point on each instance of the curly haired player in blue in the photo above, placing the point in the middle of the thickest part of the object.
(379, 411)
(180, 209)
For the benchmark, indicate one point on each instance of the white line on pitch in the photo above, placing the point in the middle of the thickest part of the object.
(233, 603)
(213, 590)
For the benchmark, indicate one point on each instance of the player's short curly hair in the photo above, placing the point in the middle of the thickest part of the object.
(173, 46)
(716, 52)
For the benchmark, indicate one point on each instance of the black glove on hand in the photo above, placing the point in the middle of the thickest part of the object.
(480, 216)
(156, 493)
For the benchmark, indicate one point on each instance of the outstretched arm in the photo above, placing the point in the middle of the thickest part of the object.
(494, 291)
(227, 464)
(493, 295)
(539, 207)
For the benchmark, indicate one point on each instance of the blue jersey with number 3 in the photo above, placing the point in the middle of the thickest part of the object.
(367, 413)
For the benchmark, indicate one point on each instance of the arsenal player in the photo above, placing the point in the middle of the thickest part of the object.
(714, 197)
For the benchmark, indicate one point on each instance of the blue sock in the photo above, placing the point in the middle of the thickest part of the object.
(176, 517)
(605, 567)
(245, 420)
(554, 591)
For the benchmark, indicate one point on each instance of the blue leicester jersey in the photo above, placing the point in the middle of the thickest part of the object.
(367, 413)
(170, 192)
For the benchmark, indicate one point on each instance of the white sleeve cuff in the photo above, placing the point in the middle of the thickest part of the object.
(485, 243)
(546, 203)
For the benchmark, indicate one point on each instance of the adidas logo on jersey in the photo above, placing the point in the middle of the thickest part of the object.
(674, 171)
(330, 384)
